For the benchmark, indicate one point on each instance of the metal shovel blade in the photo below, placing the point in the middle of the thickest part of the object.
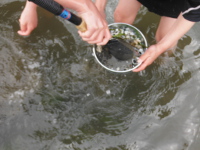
(120, 49)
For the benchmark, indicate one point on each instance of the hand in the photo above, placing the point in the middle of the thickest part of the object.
(148, 57)
(179, 28)
(28, 19)
(97, 28)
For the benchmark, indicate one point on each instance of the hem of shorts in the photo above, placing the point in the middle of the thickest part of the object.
(157, 11)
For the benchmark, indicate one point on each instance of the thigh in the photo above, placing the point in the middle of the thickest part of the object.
(126, 11)
(165, 25)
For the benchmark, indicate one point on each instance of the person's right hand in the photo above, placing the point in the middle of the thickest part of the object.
(97, 27)
(28, 19)
(101, 4)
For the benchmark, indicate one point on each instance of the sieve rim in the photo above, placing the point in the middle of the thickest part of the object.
(121, 71)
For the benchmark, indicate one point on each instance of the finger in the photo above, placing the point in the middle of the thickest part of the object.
(30, 29)
(23, 30)
(98, 35)
(86, 34)
(144, 57)
(26, 32)
(98, 38)
(144, 64)
(23, 26)
(103, 38)
(106, 38)
(140, 68)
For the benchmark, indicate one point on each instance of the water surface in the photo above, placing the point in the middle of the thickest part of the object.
(55, 96)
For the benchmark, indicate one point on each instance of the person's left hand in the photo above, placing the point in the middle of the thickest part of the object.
(28, 19)
(148, 57)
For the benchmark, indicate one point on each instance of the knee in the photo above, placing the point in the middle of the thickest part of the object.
(119, 16)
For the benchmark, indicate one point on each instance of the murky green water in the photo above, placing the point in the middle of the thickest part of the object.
(54, 95)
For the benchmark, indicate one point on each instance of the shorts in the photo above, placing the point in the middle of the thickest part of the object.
(168, 8)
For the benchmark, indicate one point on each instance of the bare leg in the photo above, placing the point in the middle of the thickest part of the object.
(126, 11)
(165, 25)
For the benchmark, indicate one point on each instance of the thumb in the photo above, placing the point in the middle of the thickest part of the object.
(23, 30)
(143, 61)
(149, 54)
(143, 57)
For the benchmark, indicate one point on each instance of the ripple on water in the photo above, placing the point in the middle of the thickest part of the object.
(55, 96)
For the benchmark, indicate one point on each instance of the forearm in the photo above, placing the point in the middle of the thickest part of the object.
(79, 6)
(180, 27)
(30, 5)
(101, 4)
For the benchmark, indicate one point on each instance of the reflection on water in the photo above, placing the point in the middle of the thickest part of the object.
(55, 96)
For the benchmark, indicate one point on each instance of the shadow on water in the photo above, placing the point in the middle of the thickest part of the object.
(54, 95)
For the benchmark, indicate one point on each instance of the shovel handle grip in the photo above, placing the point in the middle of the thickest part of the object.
(58, 10)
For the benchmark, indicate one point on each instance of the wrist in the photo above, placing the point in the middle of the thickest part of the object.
(100, 4)
(166, 44)
(161, 47)
(31, 5)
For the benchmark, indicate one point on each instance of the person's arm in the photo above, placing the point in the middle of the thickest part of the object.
(101, 4)
(97, 27)
(28, 19)
(180, 27)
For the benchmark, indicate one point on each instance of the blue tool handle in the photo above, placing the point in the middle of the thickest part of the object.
(58, 10)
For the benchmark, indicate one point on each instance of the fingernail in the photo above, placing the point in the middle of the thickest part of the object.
(139, 61)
